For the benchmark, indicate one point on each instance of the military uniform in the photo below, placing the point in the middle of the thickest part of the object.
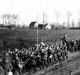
(64, 40)
(7, 63)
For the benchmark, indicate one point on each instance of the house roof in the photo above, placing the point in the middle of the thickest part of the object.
(32, 23)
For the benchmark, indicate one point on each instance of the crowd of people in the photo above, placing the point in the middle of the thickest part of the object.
(37, 57)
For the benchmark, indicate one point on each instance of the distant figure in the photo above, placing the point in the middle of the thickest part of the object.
(64, 39)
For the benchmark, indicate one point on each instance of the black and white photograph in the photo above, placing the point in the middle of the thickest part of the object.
(39, 37)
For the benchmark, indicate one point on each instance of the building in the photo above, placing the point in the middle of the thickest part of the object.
(32, 25)
(48, 26)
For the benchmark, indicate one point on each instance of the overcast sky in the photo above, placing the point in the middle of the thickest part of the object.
(28, 9)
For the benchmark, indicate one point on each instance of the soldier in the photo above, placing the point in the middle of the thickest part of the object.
(64, 40)
(65, 37)
(7, 63)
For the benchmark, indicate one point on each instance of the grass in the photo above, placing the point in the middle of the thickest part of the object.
(49, 36)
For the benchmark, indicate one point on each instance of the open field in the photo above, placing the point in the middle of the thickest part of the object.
(49, 36)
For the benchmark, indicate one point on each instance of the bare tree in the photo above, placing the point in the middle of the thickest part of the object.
(15, 18)
(73, 23)
(78, 22)
(63, 23)
(3, 18)
(57, 17)
(9, 19)
(6, 19)
(78, 18)
(69, 14)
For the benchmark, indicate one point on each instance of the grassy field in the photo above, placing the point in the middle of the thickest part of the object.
(49, 36)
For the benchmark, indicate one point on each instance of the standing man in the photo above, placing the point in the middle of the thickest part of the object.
(64, 41)
(7, 63)
(65, 37)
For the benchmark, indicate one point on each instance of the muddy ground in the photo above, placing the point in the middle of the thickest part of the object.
(68, 67)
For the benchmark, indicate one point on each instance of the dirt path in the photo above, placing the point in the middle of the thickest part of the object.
(73, 54)
(65, 68)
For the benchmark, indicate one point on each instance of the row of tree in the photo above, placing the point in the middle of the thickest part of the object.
(10, 19)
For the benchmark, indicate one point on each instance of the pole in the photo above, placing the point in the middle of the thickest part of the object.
(57, 21)
(43, 28)
(37, 28)
(68, 18)
(69, 15)
(57, 17)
